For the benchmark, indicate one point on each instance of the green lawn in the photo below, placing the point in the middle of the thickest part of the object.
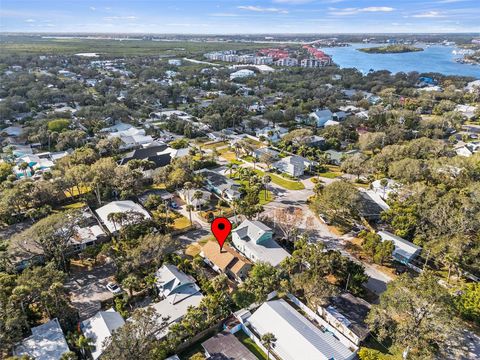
(77, 205)
(214, 145)
(280, 181)
(330, 175)
(37, 45)
(181, 223)
(332, 172)
(250, 345)
(249, 158)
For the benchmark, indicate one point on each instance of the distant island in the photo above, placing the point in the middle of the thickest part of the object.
(391, 49)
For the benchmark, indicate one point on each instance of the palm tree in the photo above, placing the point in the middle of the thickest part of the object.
(266, 179)
(384, 184)
(235, 204)
(187, 186)
(230, 167)
(81, 343)
(249, 175)
(131, 282)
(23, 166)
(268, 340)
(198, 195)
(254, 160)
(190, 208)
(236, 148)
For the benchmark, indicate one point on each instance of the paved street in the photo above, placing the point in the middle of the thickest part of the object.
(319, 231)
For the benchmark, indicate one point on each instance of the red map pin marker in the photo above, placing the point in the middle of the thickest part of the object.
(221, 228)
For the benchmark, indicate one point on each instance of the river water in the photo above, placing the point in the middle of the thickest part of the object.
(435, 58)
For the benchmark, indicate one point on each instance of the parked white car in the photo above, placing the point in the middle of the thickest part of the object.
(114, 288)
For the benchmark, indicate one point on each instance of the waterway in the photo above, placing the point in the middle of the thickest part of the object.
(434, 58)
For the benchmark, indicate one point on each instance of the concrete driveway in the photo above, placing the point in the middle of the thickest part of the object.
(88, 288)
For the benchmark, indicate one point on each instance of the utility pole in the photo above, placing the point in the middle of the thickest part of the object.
(348, 280)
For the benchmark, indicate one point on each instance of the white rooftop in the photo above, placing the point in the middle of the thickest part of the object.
(46, 343)
(297, 337)
(176, 311)
(248, 234)
(253, 229)
(100, 327)
(404, 248)
(174, 283)
(124, 206)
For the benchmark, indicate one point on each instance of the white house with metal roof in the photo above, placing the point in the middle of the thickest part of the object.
(405, 251)
(179, 292)
(297, 337)
(320, 117)
(100, 327)
(124, 206)
(46, 343)
(254, 240)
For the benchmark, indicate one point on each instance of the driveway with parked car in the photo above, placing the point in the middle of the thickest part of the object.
(88, 288)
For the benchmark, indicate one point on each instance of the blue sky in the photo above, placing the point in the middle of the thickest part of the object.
(240, 16)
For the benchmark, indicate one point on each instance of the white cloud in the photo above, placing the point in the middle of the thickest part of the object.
(93, 8)
(109, 18)
(429, 14)
(224, 14)
(30, 20)
(262, 9)
(354, 11)
(377, 9)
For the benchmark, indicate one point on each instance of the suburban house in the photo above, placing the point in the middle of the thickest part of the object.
(337, 157)
(14, 131)
(125, 207)
(266, 151)
(297, 337)
(347, 314)
(254, 240)
(340, 115)
(225, 346)
(320, 117)
(293, 165)
(47, 342)
(467, 111)
(155, 154)
(179, 292)
(467, 149)
(273, 134)
(100, 327)
(330, 123)
(88, 232)
(187, 195)
(405, 251)
(166, 196)
(34, 162)
(220, 185)
(371, 204)
(315, 141)
(131, 137)
(226, 260)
